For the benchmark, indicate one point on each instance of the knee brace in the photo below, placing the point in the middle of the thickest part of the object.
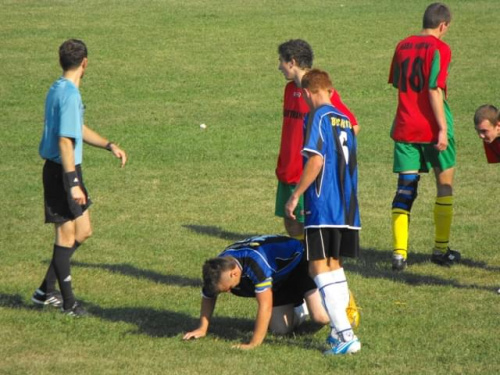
(406, 192)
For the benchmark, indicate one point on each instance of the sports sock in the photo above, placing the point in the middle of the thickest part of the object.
(49, 282)
(400, 229)
(335, 295)
(61, 261)
(443, 213)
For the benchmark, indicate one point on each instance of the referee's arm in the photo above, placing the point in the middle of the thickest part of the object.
(94, 139)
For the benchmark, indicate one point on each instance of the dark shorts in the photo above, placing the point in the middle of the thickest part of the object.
(322, 243)
(293, 290)
(59, 207)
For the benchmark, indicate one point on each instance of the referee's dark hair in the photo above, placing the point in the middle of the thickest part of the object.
(71, 54)
(435, 14)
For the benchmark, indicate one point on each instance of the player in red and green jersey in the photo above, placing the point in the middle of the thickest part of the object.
(423, 132)
(487, 124)
(295, 60)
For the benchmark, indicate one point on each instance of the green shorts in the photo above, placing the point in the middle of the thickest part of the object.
(423, 157)
(282, 195)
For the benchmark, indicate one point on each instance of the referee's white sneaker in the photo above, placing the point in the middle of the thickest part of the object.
(44, 299)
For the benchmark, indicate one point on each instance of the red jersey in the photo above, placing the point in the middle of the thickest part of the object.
(295, 108)
(492, 151)
(420, 63)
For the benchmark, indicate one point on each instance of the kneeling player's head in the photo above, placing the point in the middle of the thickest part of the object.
(72, 53)
(220, 275)
(487, 122)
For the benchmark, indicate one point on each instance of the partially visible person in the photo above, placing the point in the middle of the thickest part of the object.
(270, 268)
(295, 60)
(65, 195)
(423, 133)
(332, 222)
(487, 124)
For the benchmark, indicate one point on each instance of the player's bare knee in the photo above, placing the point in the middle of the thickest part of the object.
(319, 317)
(83, 234)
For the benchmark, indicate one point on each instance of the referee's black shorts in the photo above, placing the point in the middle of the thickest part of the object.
(295, 287)
(59, 206)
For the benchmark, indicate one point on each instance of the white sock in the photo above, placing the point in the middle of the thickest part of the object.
(335, 295)
(301, 314)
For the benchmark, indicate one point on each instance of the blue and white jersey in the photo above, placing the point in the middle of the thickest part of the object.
(63, 118)
(265, 262)
(331, 200)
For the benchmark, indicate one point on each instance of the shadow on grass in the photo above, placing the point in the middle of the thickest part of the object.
(165, 323)
(218, 232)
(151, 322)
(376, 264)
(13, 301)
(129, 270)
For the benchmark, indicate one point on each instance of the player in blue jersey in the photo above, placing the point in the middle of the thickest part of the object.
(65, 196)
(273, 270)
(332, 223)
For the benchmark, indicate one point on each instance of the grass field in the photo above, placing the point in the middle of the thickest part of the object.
(158, 69)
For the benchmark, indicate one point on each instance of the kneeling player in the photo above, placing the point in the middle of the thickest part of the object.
(271, 269)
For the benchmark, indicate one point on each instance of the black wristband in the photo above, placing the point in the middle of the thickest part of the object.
(71, 179)
(108, 146)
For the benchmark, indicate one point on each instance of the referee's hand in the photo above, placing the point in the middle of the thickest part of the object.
(119, 153)
(78, 195)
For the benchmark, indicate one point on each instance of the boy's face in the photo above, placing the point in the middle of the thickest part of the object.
(229, 279)
(287, 68)
(487, 131)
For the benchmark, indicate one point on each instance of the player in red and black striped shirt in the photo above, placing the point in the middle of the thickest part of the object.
(295, 60)
(423, 132)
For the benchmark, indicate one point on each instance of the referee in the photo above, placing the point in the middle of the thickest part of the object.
(65, 196)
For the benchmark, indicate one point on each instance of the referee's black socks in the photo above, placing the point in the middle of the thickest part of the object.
(62, 269)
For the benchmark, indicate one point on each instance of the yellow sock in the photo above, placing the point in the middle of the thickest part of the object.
(400, 229)
(443, 213)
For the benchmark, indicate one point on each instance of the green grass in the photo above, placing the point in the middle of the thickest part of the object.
(157, 70)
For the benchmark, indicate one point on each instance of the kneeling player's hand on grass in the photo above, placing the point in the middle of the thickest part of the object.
(196, 334)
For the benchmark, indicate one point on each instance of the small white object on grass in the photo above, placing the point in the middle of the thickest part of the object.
(203, 126)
